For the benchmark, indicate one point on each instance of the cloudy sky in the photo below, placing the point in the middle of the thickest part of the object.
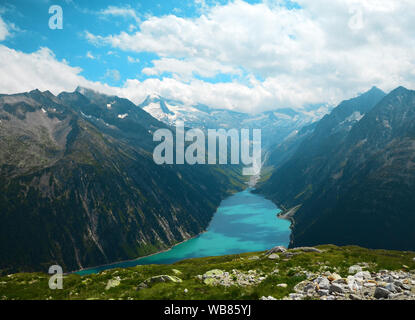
(244, 55)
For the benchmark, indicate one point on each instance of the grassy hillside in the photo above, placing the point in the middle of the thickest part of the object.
(249, 276)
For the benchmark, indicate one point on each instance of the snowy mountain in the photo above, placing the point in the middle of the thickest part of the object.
(276, 125)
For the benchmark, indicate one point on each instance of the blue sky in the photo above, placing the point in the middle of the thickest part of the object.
(243, 55)
(97, 62)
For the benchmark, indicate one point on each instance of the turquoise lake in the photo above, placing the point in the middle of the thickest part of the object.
(244, 222)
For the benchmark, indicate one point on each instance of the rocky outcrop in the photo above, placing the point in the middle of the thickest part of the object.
(363, 285)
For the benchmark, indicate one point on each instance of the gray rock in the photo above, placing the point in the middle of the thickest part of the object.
(112, 283)
(354, 297)
(336, 288)
(381, 293)
(273, 256)
(355, 269)
(308, 249)
(309, 287)
(323, 283)
(162, 278)
(322, 293)
(405, 287)
(276, 249)
(391, 287)
(363, 275)
(369, 284)
(289, 254)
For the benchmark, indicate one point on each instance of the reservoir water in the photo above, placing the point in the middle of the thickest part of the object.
(244, 222)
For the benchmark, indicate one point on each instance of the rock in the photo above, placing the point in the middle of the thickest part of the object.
(142, 285)
(309, 287)
(362, 275)
(336, 288)
(213, 273)
(322, 293)
(112, 283)
(405, 287)
(333, 277)
(276, 249)
(323, 283)
(354, 297)
(209, 281)
(267, 298)
(299, 287)
(186, 291)
(413, 259)
(253, 258)
(176, 272)
(391, 287)
(282, 285)
(352, 284)
(296, 296)
(381, 293)
(273, 256)
(308, 249)
(369, 284)
(289, 254)
(157, 279)
(355, 269)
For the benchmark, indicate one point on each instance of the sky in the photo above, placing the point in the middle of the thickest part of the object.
(248, 56)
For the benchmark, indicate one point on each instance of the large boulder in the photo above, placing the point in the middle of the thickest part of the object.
(273, 256)
(112, 283)
(157, 279)
(382, 293)
(276, 249)
(213, 273)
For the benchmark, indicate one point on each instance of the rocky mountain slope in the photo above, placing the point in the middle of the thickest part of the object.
(352, 180)
(323, 273)
(79, 187)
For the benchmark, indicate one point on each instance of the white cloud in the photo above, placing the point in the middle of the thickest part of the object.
(185, 69)
(89, 55)
(113, 74)
(326, 51)
(4, 32)
(133, 60)
(126, 12)
(21, 72)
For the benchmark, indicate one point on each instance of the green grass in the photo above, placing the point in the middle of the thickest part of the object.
(334, 259)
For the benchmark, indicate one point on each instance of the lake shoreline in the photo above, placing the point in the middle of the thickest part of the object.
(240, 224)
(155, 253)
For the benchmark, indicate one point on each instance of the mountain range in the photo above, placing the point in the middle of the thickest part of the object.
(276, 125)
(79, 187)
(350, 178)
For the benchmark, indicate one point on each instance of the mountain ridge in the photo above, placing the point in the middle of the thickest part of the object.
(79, 186)
(357, 186)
